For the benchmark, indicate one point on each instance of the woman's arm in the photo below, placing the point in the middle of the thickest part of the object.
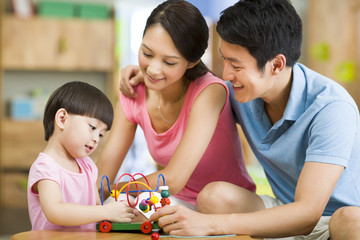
(203, 120)
(118, 144)
(204, 116)
(202, 123)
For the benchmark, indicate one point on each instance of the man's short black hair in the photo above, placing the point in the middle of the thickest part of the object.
(265, 27)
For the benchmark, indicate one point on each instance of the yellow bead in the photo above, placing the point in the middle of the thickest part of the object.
(112, 194)
(154, 199)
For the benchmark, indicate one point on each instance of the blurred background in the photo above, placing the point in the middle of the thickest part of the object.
(45, 43)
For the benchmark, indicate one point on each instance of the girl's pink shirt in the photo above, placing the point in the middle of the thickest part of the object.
(222, 161)
(77, 188)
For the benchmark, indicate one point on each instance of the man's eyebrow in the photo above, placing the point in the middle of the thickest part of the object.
(235, 60)
(167, 56)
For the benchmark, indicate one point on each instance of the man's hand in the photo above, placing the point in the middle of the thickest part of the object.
(130, 76)
(180, 220)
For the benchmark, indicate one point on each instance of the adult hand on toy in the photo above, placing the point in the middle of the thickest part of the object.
(119, 212)
(130, 76)
(180, 220)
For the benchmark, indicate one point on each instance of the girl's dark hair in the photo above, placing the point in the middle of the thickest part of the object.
(78, 98)
(188, 30)
(265, 27)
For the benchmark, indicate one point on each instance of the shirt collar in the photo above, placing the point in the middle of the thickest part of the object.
(295, 107)
(296, 104)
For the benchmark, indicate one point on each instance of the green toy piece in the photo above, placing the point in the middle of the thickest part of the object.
(145, 227)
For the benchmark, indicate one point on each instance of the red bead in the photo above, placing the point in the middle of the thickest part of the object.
(155, 236)
(165, 201)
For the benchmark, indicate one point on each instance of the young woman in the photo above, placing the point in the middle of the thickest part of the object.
(183, 109)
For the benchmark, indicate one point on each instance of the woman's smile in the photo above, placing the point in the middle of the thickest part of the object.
(151, 79)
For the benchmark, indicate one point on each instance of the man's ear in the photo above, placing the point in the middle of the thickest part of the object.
(278, 63)
(60, 117)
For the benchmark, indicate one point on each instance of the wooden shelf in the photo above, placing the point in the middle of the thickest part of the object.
(13, 190)
(21, 143)
(57, 44)
(45, 44)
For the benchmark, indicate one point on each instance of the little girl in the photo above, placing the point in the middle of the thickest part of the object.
(61, 186)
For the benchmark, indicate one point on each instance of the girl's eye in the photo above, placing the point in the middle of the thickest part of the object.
(100, 135)
(92, 127)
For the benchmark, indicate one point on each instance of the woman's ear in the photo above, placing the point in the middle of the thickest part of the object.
(191, 65)
(60, 117)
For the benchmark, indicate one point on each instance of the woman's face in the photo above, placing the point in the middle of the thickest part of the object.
(160, 62)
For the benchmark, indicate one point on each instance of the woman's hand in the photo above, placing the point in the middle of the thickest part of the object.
(130, 76)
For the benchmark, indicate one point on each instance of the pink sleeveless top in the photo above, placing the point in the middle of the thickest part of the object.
(222, 161)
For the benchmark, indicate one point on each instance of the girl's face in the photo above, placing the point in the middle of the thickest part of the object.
(160, 62)
(81, 135)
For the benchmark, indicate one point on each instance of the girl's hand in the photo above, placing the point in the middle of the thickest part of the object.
(119, 212)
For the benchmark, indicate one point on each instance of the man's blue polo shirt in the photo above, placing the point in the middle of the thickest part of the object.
(320, 124)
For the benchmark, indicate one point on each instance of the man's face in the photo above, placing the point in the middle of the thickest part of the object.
(240, 68)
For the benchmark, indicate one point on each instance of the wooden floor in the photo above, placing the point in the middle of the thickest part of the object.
(95, 235)
(13, 221)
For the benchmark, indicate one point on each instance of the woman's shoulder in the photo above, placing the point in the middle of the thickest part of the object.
(209, 79)
(140, 91)
(134, 108)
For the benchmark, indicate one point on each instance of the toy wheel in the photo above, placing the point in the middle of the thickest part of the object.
(105, 227)
(146, 227)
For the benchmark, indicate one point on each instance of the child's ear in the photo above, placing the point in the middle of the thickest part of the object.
(60, 117)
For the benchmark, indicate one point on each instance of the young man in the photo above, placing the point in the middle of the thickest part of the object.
(302, 127)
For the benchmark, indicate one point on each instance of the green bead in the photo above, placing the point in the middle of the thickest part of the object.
(165, 194)
(143, 207)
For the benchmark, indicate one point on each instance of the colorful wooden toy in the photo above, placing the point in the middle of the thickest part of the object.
(145, 205)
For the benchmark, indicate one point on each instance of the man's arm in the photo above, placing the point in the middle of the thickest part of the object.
(316, 183)
(130, 76)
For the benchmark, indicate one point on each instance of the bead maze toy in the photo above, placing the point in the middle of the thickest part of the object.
(145, 205)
